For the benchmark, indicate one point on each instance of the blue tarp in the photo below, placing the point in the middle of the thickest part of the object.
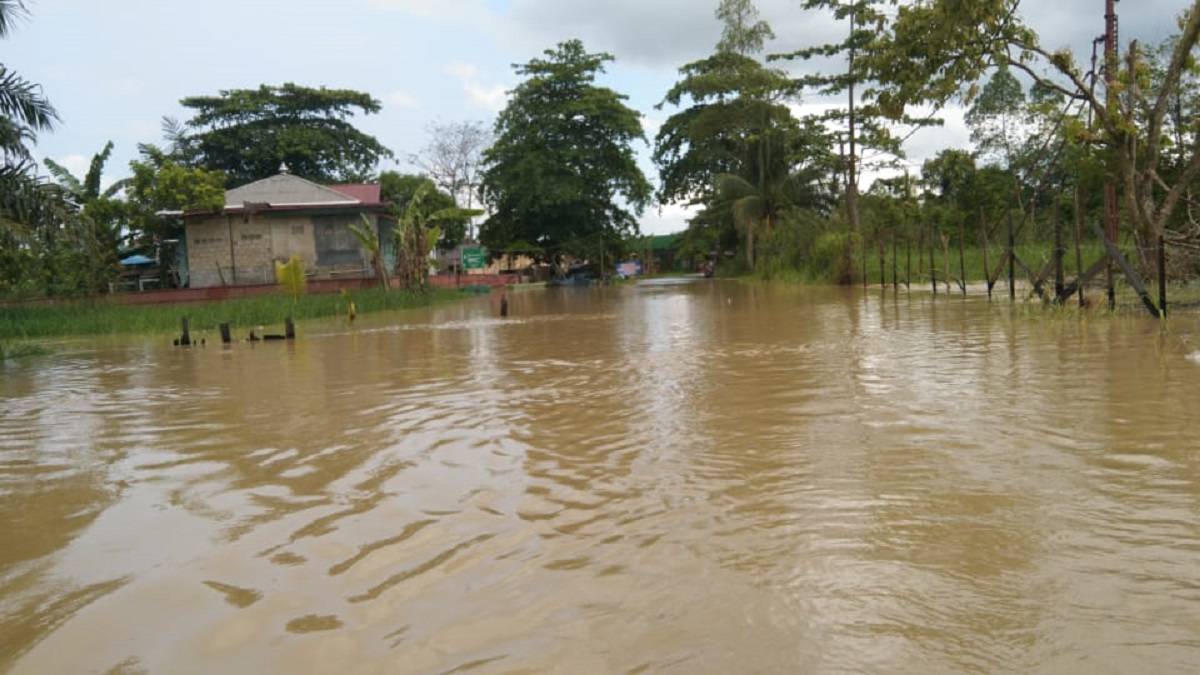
(137, 260)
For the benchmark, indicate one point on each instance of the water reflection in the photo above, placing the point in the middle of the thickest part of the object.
(694, 477)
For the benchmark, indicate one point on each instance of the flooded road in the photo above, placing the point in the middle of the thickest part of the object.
(691, 478)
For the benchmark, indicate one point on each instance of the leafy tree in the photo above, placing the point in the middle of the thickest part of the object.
(159, 184)
(863, 121)
(248, 133)
(418, 232)
(995, 117)
(24, 110)
(562, 169)
(936, 49)
(743, 33)
(453, 158)
(399, 189)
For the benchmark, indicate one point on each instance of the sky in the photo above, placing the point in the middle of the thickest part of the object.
(114, 69)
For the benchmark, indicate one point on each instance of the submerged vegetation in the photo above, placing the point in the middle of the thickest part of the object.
(106, 318)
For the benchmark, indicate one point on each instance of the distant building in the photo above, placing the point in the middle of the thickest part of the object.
(280, 217)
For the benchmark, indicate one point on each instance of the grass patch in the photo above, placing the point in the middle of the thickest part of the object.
(110, 318)
(1034, 255)
(10, 351)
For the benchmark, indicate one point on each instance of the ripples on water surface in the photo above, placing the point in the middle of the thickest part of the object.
(675, 478)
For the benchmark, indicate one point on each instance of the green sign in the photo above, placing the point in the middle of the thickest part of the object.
(473, 258)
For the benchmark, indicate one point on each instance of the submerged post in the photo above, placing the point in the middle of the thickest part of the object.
(1012, 260)
(1059, 253)
(962, 257)
(932, 269)
(908, 262)
(987, 268)
(289, 329)
(504, 302)
(185, 338)
(1162, 275)
(882, 263)
(226, 336)
(895, 255)
(1079, 216)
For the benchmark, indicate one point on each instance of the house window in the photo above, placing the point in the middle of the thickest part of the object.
(336, 244)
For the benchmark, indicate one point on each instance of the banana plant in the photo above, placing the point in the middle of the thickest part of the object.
(364, 231)
(418, 234)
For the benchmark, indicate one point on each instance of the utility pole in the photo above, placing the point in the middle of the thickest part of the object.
(1110, 188)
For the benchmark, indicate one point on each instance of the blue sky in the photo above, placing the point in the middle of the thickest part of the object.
(114, 69)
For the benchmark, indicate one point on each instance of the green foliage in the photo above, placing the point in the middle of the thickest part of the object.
(832, 257)
(562, 169)
(290, 277)
(35, 321)
(11, 351)
(162, 184)
(398, 189)
(742, 33)
(995, 118)
(247, 133)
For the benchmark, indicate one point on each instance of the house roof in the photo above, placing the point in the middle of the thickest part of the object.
(367, 193)
(286, 189)
(285, 192)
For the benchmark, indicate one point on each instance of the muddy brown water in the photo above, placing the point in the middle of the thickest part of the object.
(696, 477)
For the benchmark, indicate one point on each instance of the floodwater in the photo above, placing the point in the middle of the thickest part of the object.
(700, 477)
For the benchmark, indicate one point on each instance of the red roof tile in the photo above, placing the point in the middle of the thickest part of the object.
(367, 193)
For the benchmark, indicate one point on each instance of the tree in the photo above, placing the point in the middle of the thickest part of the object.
(398, 189)
(418, 232)
(24, 110)
(159, 184)
(248, 133)
(862, 120)
(995, 117)
(935, 49)
(743, 33)
(562, 168)
(734, 145)
(453, 157)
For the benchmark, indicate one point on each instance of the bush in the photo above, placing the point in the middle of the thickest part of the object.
(833, 257)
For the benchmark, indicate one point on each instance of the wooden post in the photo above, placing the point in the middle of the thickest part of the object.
(1162, 276)
(1079, 216)
(1012, 265)
(962, 257)
(863, 248)
(895, 255)
(932, 271)
(185, 339)
(946, 261)
(226, 336)
(882, 262)
(1059, 252)
(987, 268)
(908, 262)
(289, 329)
(504, 302)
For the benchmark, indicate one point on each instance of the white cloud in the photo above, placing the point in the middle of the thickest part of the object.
(448, 11)
(489, 96)
(402, 99)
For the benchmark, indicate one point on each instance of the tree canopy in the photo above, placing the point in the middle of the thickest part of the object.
(248, 133)
(562, 170)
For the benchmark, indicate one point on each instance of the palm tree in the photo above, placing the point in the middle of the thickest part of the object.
(417, 233)
(365, 234)
(24, 111)
(88, 190)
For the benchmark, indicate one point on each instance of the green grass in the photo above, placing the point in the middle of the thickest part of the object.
(1034, 255)
(110, 318)
(10, 351)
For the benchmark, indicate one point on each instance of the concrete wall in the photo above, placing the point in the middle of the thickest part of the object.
(323, 242)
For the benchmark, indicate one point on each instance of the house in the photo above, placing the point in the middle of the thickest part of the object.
(279, 217)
